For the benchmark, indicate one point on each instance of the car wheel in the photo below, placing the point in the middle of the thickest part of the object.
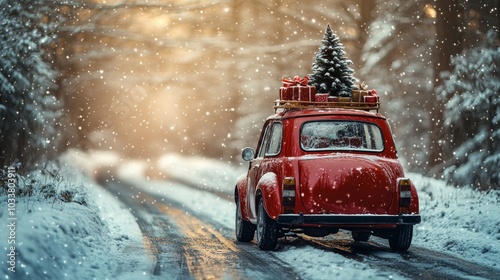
(361, 235)
(400, 240)
(267, 229)
(244, 230)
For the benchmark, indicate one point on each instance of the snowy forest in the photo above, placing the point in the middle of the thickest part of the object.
(196, 77)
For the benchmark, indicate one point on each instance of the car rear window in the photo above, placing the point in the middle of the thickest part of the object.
(341, 135)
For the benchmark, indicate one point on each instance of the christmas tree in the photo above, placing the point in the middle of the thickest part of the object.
(331, 71)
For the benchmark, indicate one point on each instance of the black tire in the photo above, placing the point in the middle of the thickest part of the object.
(267, 229)
(244, 229)
(361, 235)
(400, 240)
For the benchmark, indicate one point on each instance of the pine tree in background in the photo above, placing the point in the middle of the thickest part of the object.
(29, 110)
(472, 116)
(331, 71)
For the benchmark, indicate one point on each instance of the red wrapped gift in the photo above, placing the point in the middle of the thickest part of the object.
(297, 89)
(372, 97)
(333, 99)
(321, 97)
(285, 93)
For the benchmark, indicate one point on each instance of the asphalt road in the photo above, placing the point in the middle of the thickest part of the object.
(185, 246)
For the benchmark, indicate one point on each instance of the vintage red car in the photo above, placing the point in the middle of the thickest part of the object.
(318, 170)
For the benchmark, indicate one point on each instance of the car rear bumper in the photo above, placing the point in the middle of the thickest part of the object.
(335, 219)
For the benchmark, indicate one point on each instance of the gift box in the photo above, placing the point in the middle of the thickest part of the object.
(372, 98)
(358, 95)
(321, 97)
(286, 93)
(344, 99)
(333, 99)
(297, 89)
(298, 93)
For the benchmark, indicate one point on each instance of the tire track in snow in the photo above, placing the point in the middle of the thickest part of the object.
(417, 263)
(161, 235)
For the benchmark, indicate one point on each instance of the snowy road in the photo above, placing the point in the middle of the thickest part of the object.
(189, 234)
(184, 246)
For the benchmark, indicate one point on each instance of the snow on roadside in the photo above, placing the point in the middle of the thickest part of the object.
(459, 221)
(59, 240)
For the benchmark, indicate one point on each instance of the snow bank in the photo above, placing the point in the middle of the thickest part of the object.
(55, 240)
(459, 221)
(59, 240)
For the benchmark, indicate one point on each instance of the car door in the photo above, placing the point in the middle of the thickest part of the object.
(253, 172)
(270, 146)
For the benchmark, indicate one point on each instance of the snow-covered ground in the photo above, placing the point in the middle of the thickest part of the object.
(103, 241)
(459, 221)
(57, 240)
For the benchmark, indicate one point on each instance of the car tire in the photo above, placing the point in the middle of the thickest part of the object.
(361, 235)
(401, 238)
(267, 229)
(245, 230)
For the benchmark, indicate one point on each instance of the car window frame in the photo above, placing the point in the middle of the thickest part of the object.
(263, 142)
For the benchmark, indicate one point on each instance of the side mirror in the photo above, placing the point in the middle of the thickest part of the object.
(247, 154)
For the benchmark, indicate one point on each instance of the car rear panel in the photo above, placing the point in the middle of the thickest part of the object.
(347, 184)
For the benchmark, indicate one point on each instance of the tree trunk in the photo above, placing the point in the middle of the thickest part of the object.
(448, 44)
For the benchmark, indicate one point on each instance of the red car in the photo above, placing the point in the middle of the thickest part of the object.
(320, 169)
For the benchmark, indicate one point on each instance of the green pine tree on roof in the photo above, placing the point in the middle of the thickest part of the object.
(331, 71)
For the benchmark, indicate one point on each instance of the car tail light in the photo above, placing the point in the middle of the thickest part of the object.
(288, 194)
(404, 186)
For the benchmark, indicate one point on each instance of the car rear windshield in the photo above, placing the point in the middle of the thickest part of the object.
(341, 135)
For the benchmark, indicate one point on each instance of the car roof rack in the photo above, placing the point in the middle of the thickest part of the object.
(294, 104)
